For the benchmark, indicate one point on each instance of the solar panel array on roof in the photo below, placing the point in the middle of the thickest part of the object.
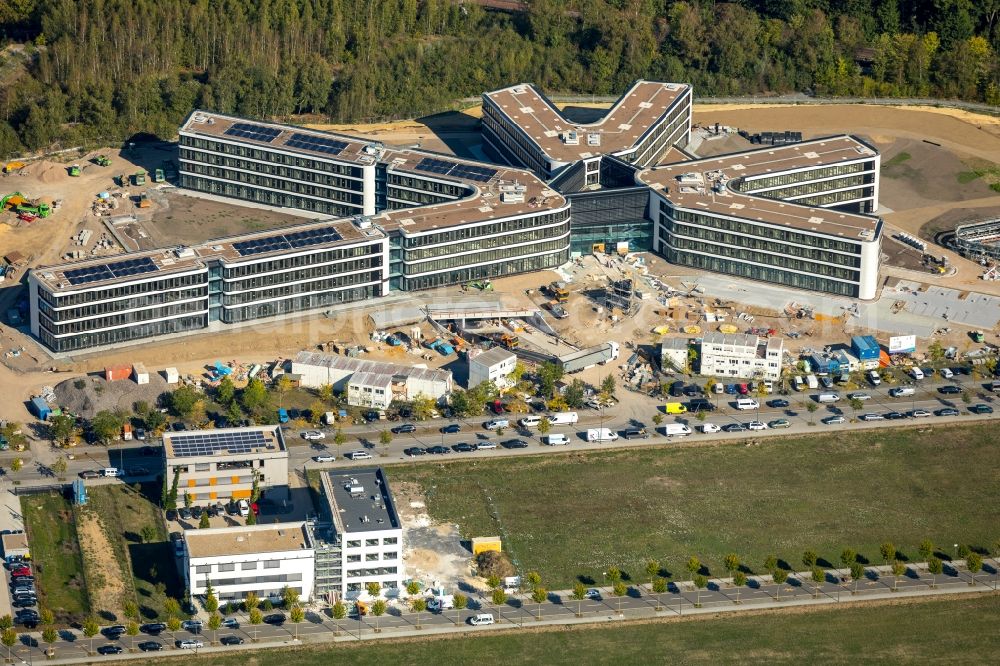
(316, 143)
(456, 169)
(287, 241)
(109, 271)
(214, 443)
(255, 132)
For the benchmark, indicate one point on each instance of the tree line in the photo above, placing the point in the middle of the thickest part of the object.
(97, 72)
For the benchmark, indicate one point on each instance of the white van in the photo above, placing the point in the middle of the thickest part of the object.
(828, 397)
(812, 381)
(496, 424)
(557, 439)
(902, 391)
(481, 619)
(747, 403)
(110, 471)
(678, 429)
(563, 418)
(798, 383)
(720, 387)
(874, 378)
(916, 373)
(530, 421)
(601, 435)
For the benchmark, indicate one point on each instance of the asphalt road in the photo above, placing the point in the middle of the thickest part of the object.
(636, 410)
(560, 608)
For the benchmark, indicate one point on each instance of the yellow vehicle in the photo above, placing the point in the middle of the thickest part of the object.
(675, 408)
(11, 167)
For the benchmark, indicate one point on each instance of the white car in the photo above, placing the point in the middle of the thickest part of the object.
(757, 425)
(711, 427)
(485, 445)
(859, 396)
(190, 644)
(324, 458)
(244, 508)
(313, 435)
(947, 373)
(832, 420)
(872, 417)
(358, 455)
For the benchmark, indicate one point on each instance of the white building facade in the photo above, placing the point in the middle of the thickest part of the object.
(493, 365)
(253, 558)
(407, 382)
(743, 356)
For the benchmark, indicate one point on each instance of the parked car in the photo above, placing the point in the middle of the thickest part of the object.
(635, 433)
(710, 427)
(593, 594)
(947, 411)
(153, 628)
(231, 640)
(757, 425)
(514, 444)
(835, 419)
(451, 428)
(779, 423)
(734, 427)
(358, 455)
(464, 447)
(980, 408)
(150, 646)
(438, 450)
(919, 413)
(190, 644)
(415, 451)
(403, 428)
(949, 389)
(113, 632)
(859, 395)
(313, 435)
(194, 626)
(90, 474)
(230, 623)
(871, 417)
(324, 458)
(275, 619)
(779, 403)
(894, 416)
(110, 649)
(184, 513)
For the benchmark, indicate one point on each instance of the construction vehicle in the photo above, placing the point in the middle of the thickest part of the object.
(102, 160)
(12, 201)
(158, 176)
(36, 208)
(558, 291)
(978, 336)
(508, 340)
(481, 285)
(361, 608)
(139, 178)
(11, 167)
(121, 180)
(74, 170)
(144, 201)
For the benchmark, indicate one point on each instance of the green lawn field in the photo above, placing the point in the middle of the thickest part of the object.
(48, 519)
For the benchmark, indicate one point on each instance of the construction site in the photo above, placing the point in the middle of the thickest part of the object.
(934, 162)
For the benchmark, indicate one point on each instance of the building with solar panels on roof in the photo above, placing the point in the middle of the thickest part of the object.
(220, 465)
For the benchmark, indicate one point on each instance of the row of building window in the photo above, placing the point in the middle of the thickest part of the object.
(122, 290)
(490, 270)
(385, 541)
(289, 263)
(780, 261)
(303, 273)
(224, 567)
(490, 229)
(540, 233)
(248, 580)
(326, 284)
(400, 198)
(506, 134)
(751, 184)
(498, 254)
(277, 184)
(373, 557)
(108, 307)
(815, 187)
(124, 319)
(300, 303)
(258, 153)
(652, 147)
(269, 169)
(415, 183)
(378, 571)
(125, 334)
(756, 272)
(269, 197)
(762, 230)
(836, 197)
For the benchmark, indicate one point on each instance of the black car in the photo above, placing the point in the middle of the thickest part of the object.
(949, 389)
(232, 508)
(514, 444)
(451, 427)
(700, 405)
(777, 403)
(415, 451)
(635, 433)
(892, 416)
(677, 389)
(114, 631)
(981, 409)
(404, 427)
(28, 580)
(24, 603)
(691, 390)
(196, 512)
(213, 511)
(464, 447)
(110, 649)
(140, 434)
(947, 411)
(275, 618)
(734, 427)
(438, 450)
(171, 514)
(150, 646)
(153, 628)
(231, 640)
(184, 513)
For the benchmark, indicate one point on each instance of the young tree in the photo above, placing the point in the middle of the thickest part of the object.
(374, 589)
(619, 590)
(385, 438)
(171, 607)
(544, 426)
(59, 466)
(49, 636)
(182, 400)
(809, 558)
(652, 570)
(132, 630)
(700, 582)
(963, 551)
(106, 426)
(289, 597)
(574, 394)
(811, 407)
(214, 623)
(608, 386)
(659, 586)
(251, 601)
(204, 523)
(282, 385)
(539, 595)
(16, 464)
(413, 587)
(857, 573)
(9, 638)
(378, 609)
(888, 552)
(47, 617)
(255, 616)
(461, 603)
(254, 396)
(325, 393)
(419, 605)
(173, 626)
(693, 565)
(549, 375)
(339, 437)
(188, 500)
(848, 556)
(62, 428)
(339, 612)
(657, 419)
(926, 549)
(818, 577)
(935, 567)
(6, 622)
(898, 569)
(770, 564)
(579, 594)
(225, 392)
(211, 600)
(974, 563)
(296, 615)
(731, 562)
(739, 580)
(779, 576)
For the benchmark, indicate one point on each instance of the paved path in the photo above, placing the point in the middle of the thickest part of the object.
(639, 603)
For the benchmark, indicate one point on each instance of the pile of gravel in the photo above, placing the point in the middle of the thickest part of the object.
(98, 394)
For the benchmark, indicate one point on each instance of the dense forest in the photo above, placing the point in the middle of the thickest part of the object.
(95, 71)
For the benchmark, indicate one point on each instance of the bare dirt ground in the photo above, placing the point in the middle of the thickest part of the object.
(105, 577)
(99, 394)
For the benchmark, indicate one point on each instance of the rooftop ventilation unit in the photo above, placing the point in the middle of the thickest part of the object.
(183, 252)
(199, 118)
(571, 138)
(512, 193)
(356, 489)
(593, 139)
(362, 222)
(691, 178)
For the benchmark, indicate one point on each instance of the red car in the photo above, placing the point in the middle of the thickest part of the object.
(21, 571)
(744, 389)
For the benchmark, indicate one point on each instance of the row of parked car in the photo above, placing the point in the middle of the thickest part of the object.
(241, 508)
(23, 596)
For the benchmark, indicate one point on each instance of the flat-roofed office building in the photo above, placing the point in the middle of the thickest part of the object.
(220, 465)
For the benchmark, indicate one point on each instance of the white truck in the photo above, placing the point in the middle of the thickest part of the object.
(812, 381)
(601, 435)
(679, 429)
(441, 603)
(563, 418)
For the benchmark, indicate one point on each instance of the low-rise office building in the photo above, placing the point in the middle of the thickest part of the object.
(674, 354)
(726, 355)
(262, 559)
(359, 537)
(493, 365)
(221, 465)
(403, 382)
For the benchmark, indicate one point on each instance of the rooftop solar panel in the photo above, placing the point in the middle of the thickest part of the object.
(88, 274)
(287, 241)
(456, 169)
(208, 444)
(255, 132)
(316, 144)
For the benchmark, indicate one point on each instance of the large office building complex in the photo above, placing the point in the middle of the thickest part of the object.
(798, 215)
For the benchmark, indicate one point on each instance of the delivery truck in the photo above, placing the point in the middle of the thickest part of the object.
(601, 435)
